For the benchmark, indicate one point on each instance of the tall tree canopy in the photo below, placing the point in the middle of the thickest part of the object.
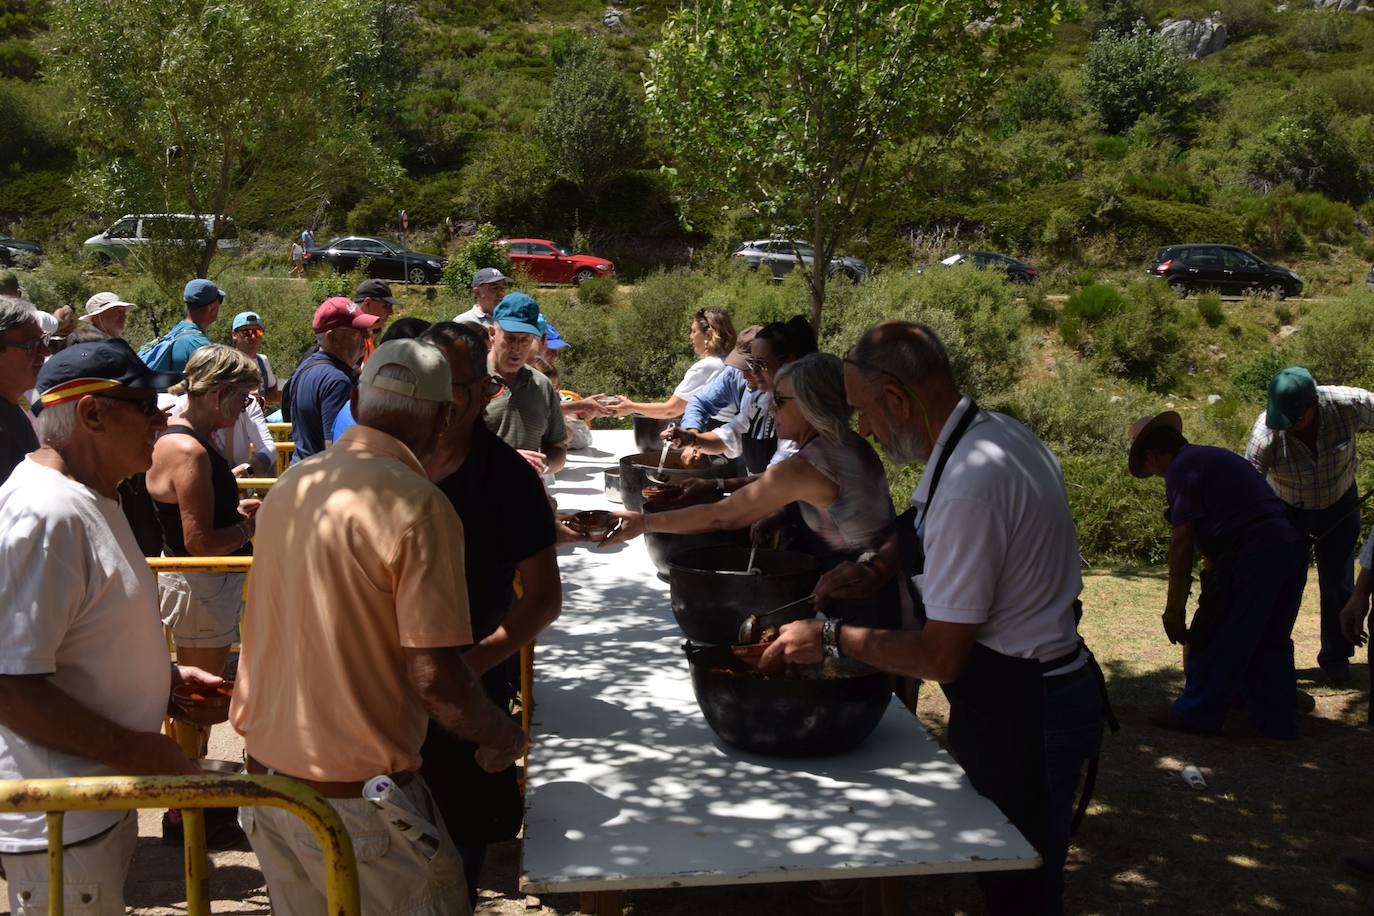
(808, 109)
(224, 107)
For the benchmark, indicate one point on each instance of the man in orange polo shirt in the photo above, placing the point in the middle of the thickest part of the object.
(357, 613)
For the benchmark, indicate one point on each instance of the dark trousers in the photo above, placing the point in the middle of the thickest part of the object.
(1335, 570)
(1250, 652)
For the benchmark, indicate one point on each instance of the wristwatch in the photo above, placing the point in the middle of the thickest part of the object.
(830, 637)
(720, 484)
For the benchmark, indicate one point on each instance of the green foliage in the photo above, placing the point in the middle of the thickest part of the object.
(1116, 17)
(1076, 411)
(1319, 31)
(1141, 341)
(1337, 343)
(1120, 519)
(327, 282)
(592, 127)
(1129, 75)
(19, 59)
(1209, 310)
(807, 109)
(1038, 306)
(477, 252)
(1093, 303)
(1247, 18)
(507, 180)
(597, 291)
(1307, 145)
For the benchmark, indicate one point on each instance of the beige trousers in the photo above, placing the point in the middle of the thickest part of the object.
(93, 874)
(394, 876)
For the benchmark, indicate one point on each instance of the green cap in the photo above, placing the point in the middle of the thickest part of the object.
(1291, 392)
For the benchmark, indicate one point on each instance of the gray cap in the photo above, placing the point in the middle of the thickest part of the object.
(433, 381)
(487, 275)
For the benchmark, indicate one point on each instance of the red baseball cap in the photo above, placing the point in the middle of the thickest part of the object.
(341, 312)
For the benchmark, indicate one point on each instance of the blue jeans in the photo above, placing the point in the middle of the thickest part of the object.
(1335, 571)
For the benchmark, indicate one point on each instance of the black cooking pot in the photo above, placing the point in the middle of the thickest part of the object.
(636, 469)
(810, 711)
(664, 547)
(712, 595)
(647, 431)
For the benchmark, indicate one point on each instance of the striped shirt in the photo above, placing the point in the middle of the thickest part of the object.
(1300, 478)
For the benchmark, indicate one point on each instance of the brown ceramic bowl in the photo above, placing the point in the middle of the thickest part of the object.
(203, 705)
(592, 524)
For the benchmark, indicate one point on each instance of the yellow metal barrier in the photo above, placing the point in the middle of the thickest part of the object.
(279, 431)
(256, 483)
(105, 793)
(284, 450)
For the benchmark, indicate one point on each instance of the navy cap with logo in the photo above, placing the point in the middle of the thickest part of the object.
(517, 313)
(89, 368)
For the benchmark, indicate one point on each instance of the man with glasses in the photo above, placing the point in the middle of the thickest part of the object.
(497, 493)
(991, 556)
(374, 298)
(528, 415)
(84, 674)
(247, 333)
(488, 289)
(22, 350)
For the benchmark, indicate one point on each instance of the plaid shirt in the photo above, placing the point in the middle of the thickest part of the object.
(1304, 480)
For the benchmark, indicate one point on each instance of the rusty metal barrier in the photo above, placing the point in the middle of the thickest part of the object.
(55, 797)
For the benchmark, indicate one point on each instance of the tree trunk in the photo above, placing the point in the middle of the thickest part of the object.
(820, 267)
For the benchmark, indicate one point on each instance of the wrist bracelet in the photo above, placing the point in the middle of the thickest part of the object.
(830, 637)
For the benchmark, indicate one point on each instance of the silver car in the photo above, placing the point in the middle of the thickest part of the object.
(780, 256)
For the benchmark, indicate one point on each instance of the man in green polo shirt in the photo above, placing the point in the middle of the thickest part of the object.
(526, 413)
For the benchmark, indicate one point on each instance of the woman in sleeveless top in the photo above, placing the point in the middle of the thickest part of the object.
(713, 337)
(834, 483)
(196, 497)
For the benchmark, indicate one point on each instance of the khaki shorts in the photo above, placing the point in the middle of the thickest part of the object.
(201, 608)
(93, 874)
(395, 877)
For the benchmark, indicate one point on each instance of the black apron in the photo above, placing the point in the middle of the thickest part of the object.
(996, 707)
(759, 442)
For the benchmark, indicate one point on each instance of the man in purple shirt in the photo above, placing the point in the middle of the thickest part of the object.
(1240, 642)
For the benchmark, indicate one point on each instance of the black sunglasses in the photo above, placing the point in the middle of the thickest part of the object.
(146, 406)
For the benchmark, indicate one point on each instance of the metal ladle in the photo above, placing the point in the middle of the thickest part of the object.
(657, 477)
(749, 629)
(748, 570)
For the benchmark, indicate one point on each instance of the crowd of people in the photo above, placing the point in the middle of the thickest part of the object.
(408, 553)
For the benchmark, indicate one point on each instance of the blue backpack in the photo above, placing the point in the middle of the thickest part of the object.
(157, 355)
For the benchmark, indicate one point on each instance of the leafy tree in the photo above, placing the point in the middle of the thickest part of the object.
(1128, 75)
(251, 110)
(477, 252)
(811, 109)
(592, 126)
(1310, 145)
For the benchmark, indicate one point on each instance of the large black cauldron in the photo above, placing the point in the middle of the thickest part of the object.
(647, 431)
(810, 711)
(712, 595)
(636, 469)
(664, 547)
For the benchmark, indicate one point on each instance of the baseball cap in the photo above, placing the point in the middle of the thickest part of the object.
(433, 381)
(103, 302)
(87, 368)
(740, 354)
(487, 275)
(244, 319)
(552, 339)
(374, 289)
(200, 293)
(46, 323)
(341, 312)
(517, 313)
(1291, 390)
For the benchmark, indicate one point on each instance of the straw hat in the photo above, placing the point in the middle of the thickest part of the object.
(1140, 431)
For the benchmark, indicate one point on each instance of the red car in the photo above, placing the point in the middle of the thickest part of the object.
(546, 262)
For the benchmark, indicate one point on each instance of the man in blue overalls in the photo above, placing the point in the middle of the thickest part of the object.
(1240, 642)
(994, 566)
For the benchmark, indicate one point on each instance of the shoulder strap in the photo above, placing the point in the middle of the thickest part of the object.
(959, 429)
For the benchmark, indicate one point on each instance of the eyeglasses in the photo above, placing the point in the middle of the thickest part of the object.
(28, 346)
(896, 379)
(249, 332)
(491, 384)
(146, 406)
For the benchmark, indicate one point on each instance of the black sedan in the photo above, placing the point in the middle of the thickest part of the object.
(1225, 268)
(386, 260)
(11, 248)
(1016, 271)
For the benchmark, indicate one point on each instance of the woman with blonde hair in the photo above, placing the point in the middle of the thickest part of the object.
(196, 497)
(713, 337)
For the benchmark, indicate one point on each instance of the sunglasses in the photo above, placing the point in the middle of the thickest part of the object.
(28, 346)
(491, 384)
(755, 364)
(146, 406)
(249, 332)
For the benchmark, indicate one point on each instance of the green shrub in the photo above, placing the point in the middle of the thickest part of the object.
(506, 180)
(1038, 306)
(1309, 145)
(1142, 342)
(1250, 377)
(1320, 31)
(56, 282)
(477, 252)
(1337, 342)
(1210, 311)
(326, 282)
(20, 60)
(597, 291)
(1128, 75)
(592, 127)
(1076, 413)
(1120, 519)
(1247, 18)
(1093, 303)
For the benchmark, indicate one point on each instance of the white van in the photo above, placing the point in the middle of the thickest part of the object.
(138, 229)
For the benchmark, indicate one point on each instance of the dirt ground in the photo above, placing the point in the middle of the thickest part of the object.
(1266, 835)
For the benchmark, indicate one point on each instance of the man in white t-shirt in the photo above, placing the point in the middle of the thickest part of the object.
(991, 553)
(488, 288)
(84, 673)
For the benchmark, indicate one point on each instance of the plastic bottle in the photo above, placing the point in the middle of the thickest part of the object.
(1193, 777)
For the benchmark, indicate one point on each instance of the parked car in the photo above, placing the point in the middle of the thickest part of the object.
(1016, 271)
(386, 260)
(546, 262)
(1224, 268)
(10, 247)
(780, 256)
(136, 230)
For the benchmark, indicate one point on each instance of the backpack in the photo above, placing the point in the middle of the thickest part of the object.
(157, 355)
(288, 391)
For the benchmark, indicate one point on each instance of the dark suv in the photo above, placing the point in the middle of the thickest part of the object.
(1224, 268)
